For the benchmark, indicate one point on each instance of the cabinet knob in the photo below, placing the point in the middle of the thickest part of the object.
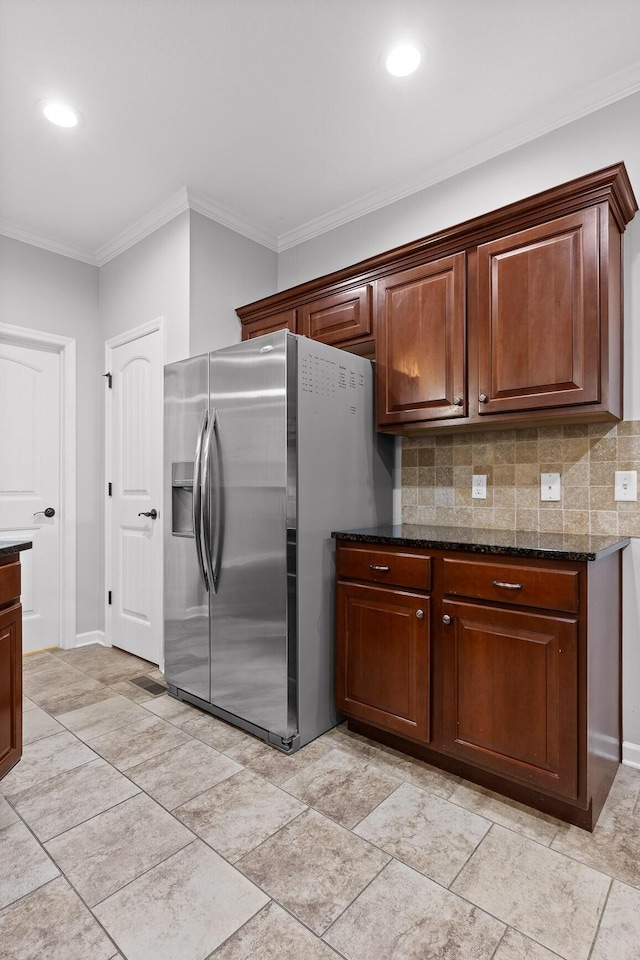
(446, 618)
(457, 401)
(420, 614)
(482, 398)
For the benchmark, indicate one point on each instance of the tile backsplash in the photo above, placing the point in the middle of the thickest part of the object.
(437, 471)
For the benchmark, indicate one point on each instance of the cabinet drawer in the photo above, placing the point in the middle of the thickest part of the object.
(9, 582)
(513, 583)
(401, 568)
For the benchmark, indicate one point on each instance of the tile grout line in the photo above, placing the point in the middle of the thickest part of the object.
(350, 830)
(61, 873)
(600, 919)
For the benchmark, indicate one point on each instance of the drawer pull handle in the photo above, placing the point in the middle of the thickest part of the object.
(420, 614)
(378, 566)
(507, 586)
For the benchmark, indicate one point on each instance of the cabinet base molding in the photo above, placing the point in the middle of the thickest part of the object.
(532, 798)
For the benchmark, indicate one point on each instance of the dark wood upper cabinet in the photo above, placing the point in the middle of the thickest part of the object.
(286, 320)
(421, 343)
(339, 318)
(513, 318)
(539, 316)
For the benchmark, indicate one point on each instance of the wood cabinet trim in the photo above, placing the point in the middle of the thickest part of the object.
(610, 184)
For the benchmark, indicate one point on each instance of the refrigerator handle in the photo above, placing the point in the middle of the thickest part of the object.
(197, 500)
(206, 502)
(216, 547)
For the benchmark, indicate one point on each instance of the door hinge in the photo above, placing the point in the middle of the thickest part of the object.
(110, 489)
(109, 598)
(109, 380)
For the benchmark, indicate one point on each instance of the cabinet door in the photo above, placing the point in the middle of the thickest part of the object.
(287, 320)
(10, 687)
(382, 658)
(420, 334)
(510, 694)
(339, 318)
(538, 317)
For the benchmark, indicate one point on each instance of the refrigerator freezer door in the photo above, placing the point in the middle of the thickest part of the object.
(252, 472)
(186, 601)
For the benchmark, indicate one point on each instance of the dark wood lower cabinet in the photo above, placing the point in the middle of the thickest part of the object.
(383, 652)
(510, 679)
(10, 671)
(509, 694)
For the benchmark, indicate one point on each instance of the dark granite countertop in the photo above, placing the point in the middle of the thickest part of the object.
(14, 546)
(519, 543)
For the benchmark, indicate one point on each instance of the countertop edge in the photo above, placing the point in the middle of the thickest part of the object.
(488, 549)
(7, 547)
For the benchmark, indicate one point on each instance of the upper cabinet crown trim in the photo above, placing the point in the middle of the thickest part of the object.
(611, 184)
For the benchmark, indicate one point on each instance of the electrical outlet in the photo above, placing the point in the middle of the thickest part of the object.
(549, 486)
(626, 485)
(479, 486)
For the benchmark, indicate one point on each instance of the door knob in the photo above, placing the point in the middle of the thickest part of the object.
(446, 618)
(49, 512)
(149, 513)
(420, 614)
(457, 401)
(483, 398)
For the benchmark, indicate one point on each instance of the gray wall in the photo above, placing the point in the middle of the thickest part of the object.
(597, 140)
(147, 281)
(48, 292)
(227, 271)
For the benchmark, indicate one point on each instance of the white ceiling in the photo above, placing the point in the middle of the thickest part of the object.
(274, 116)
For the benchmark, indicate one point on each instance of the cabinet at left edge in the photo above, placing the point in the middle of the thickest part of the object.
(10, 663)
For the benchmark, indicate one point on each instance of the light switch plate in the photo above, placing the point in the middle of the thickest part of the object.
(479, 486)
(549, 486)
(626, 485)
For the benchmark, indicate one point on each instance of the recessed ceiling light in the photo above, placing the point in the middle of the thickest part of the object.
(60, 113)
(403, 59)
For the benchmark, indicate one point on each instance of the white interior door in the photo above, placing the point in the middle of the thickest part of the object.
(30, 482)
(134, 616)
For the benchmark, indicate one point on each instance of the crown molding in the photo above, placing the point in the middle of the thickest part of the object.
(227, 218)
(174, 205)
(623, 84)
(47, 243)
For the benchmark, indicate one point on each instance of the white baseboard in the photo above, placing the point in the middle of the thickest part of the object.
(91, 636)
(631, 754)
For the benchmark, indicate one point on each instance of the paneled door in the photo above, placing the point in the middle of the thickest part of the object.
(134, 472)
(30, 481)
(420, 335)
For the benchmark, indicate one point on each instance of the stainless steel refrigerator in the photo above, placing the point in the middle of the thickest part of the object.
(269, 446)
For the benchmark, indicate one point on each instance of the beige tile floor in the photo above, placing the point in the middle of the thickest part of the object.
(138, 827)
